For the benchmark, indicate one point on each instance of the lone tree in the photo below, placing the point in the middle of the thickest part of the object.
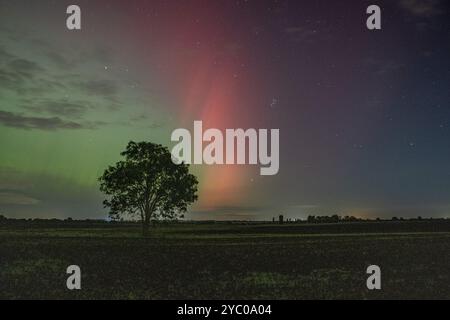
(147, 184)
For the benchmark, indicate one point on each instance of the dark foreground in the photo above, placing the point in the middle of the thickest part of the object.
(224, 261)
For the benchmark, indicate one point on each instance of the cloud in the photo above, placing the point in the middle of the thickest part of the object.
(421, 8)
(238, 216)
(15, 198)
(64, 59)
(60, 61)
(144, 120)
(22, 75)
(10, 80)
(304, 206)
(50, 87)
(105, 88)
(16, 120)
(25, 67)
(101, 55)
(4, 55)
(54, 86)
(12, 179)
(226, 213)
(63, 108)
(232, 209)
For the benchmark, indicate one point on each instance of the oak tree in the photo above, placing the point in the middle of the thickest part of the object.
(147, 184)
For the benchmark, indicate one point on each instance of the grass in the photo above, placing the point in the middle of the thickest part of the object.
(226, 261)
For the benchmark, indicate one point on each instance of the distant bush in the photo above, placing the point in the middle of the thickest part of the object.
(330, 219)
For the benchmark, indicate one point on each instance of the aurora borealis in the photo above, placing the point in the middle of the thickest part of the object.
(364, 116)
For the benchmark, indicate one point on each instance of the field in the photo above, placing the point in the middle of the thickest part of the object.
(226, 261)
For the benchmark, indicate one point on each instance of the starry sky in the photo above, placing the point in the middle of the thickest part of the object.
(364, 116)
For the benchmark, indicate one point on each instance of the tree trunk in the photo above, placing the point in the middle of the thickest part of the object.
(145, 228)
(146, 224)
(148, 212)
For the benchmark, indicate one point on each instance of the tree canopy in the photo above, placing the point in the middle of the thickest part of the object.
(147, 184)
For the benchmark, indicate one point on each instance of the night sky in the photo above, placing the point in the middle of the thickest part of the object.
(364, 116)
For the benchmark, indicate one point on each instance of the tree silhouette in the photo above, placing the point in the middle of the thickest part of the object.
(147, 184)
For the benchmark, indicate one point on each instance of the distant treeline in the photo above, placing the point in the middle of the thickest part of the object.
(3, 218)
(50, 222)
(83, 222)
(310, 219)
(336, 218)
